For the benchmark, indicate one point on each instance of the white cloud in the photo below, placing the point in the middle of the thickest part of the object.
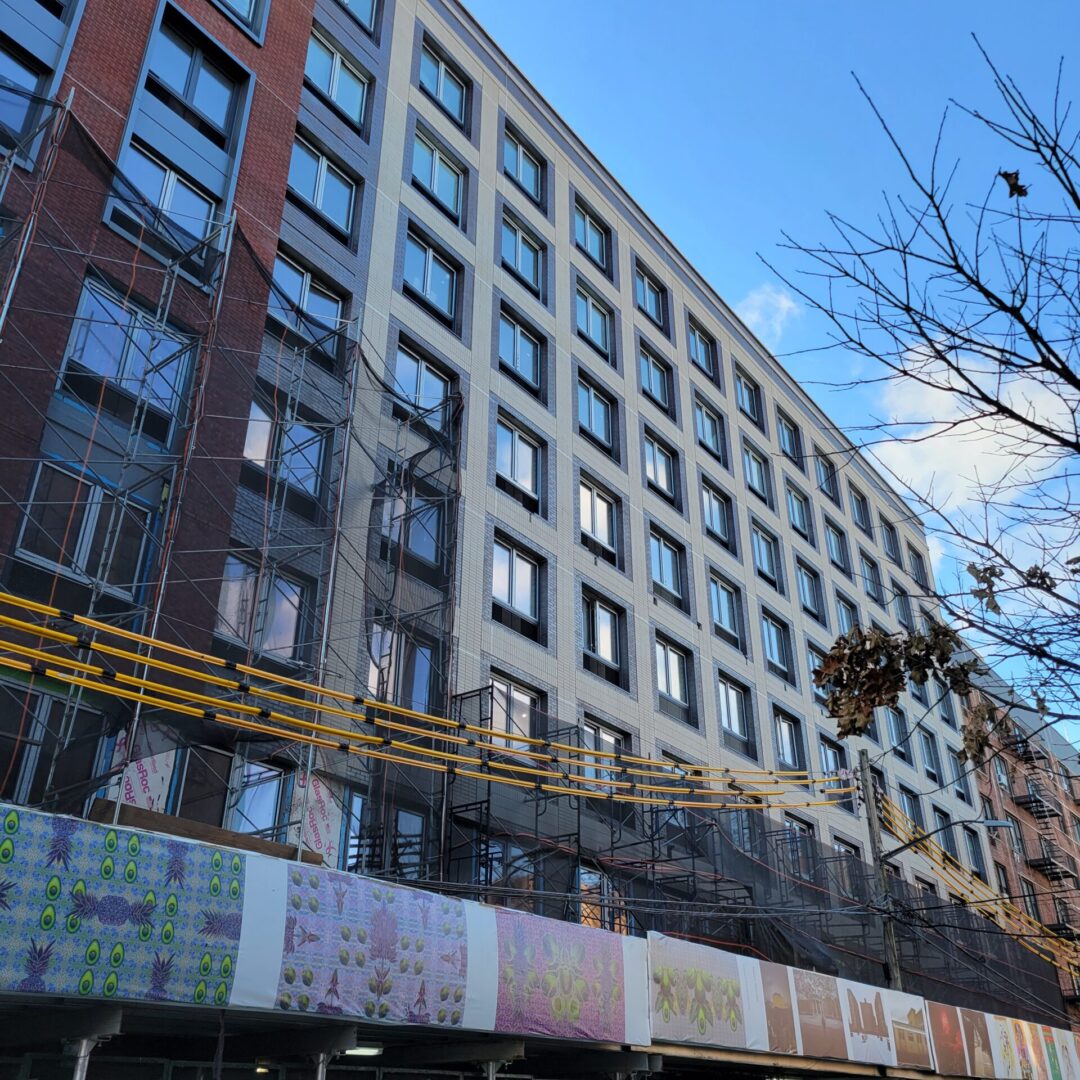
(767, 309)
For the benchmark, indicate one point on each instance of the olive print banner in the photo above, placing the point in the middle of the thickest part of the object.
(88, 911)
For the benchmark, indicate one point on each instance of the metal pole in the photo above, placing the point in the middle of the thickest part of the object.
(888, 926)
(82, 1048)
(322, 1062)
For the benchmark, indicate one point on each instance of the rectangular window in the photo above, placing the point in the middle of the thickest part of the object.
(665, 561)
(187, 208)
(593, 320)
(834, 769)
(931, 756)
(918, 567)
(517, 458)
(702, 347)
(446, 86)
(430, 275)
(718, 515)
(671, 677)
(961, 781)
(94, 533)
(523, 166)
(425, 387)
(789, 741)
(890, 540)
(811, 594)
(414, 520)
(608, 744)
(896, 724)
(595, 413)
(766, 551)
(815, 658)
(1002, 879)
(19, 113)
(659, 466)
(649, 295)
(655, 378)
(514, 710)
(520, 350)
(734, 705)
(860, 510)
(434, 173)
(776, 638)
(725, 605)
(190, 77)
(330, 73)
(948, 712)
(289, 450)
(756, 472)
(910, 805)
(597, 514)
(316, 179)
(265, 611)
(302, 302)
(514, 580)
(748, 396)
(837, 546)
(361, 10)
(945, 836)
(259, 801)
(522, 254)
(1016, 835)
(871, 575)
(800, 513)
(1001, 774)
(904, 614)
(918, 691)
(790, 438)
(117, 344)
(591, 235)
(407, 848)
(709, 428)
(847, 615)
(827, 477)
(601, 630)
(1029, 900)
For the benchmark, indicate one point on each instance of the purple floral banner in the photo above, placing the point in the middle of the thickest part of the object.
(364, 948)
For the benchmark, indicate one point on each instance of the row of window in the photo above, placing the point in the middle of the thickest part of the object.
(524, 253)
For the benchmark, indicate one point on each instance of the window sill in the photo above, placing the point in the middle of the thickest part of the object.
(660, 324)
(461, 123)
(327, 355)
(677, 710)
(433, 309)
(532, 288)
(522, 380)
(670, 597)
(611, 673)
(667, 496)
(399, 411)
(519, 494)
(520, 624)
(717, 455)
(342, 235)
(600, 550)
(734, 640)
(257, 34)
(448, 212)
(338, 111)
(599, 443)
(606, 354)
(606, 271)
(537, 200)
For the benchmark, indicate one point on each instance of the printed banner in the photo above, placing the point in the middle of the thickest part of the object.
(559, 979)
(948, 1035)
(364, 948)
(869, 1032)
(322, 815)
(96, 912)
(911, 1030)
(146, 780)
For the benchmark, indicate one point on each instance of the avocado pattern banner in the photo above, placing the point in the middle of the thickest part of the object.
(91, 911)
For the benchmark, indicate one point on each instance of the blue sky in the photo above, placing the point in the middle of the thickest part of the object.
(730, 122)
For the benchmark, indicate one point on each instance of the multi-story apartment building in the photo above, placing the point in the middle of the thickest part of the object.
(1030, 782)
(337, 353)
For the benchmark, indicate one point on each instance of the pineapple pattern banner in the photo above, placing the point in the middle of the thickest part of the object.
(91, 911)
(363, 948)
